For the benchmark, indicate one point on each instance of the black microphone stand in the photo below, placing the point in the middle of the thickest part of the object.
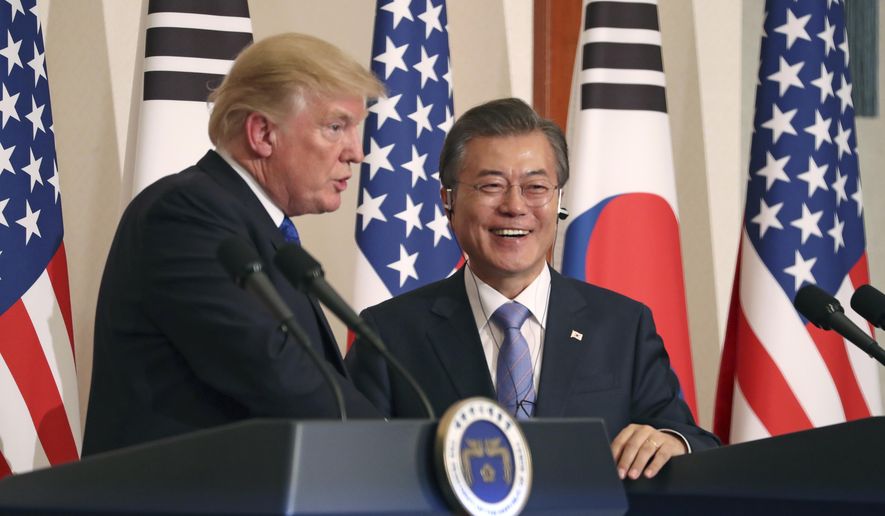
(306, 274)
(243, 264)
(292, 328)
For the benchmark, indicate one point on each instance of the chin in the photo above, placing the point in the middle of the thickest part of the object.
(522, 268)
(331, 206)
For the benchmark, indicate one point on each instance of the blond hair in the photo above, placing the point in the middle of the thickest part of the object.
(274, 76)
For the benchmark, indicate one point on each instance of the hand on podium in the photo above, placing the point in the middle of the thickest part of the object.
(644, 449)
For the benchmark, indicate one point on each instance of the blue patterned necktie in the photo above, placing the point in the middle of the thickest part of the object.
(516, 388)
(290, 234)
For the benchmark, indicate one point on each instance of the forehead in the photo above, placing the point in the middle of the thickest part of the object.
(349, 107)
(509, 156)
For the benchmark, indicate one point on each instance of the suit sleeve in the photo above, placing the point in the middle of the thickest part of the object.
(229, 341)
(369, 371)
(656, 399)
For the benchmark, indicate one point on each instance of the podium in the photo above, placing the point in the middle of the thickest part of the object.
(310, 467)
(838, 469)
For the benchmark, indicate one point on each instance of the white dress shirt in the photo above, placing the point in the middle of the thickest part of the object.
(276, 214)
(484, 300)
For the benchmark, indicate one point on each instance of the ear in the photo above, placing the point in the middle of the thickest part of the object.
(261, 134)
(447, 198)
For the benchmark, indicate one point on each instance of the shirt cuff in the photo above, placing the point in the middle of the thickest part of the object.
(680, 436)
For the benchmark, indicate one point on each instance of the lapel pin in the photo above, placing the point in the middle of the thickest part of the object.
(576, 335)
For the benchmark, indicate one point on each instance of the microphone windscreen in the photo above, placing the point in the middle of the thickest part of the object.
(869, 302)
(238, 258)
(816, 305)
(297, 264)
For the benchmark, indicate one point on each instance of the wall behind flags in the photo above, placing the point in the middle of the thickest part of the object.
(711, 49)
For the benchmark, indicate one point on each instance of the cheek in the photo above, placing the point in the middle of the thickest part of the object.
(332, 149)
(464, 228)
(457, 223)
(467, 218)
(547, 219)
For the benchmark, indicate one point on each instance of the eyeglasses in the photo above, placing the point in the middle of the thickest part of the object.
(535, 193)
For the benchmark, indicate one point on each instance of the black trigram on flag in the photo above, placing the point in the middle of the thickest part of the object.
(189, 48)
(621, 57)
(624, 230)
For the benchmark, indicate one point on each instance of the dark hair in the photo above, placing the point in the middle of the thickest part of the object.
(502, 117)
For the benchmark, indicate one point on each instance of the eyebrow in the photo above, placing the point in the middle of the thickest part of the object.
(341, 114)
(530, 173)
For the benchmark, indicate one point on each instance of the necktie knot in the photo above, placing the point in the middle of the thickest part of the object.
(290, 233)
(510, 316)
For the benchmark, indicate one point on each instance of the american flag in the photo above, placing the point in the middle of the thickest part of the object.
(189, 48)
(402, 232)
(39, 406)
(803, 223)
(624, 234)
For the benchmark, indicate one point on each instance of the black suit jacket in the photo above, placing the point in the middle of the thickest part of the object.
(602, 358)
(178, 346)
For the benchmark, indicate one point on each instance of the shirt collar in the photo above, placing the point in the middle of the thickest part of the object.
(484, 299)
(276, 214)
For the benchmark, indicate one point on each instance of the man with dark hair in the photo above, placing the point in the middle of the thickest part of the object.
(507, 326)
(178, 346)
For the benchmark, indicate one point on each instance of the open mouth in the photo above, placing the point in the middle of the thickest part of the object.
(511, 233)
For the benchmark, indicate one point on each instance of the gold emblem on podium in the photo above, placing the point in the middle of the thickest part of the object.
(483, 459)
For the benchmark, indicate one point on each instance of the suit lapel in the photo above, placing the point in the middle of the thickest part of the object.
(214, 165)
(456, 340)
(333, 353)
(562, 348)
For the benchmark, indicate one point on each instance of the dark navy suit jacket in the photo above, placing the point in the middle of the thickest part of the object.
(602, 358)
(178, 346)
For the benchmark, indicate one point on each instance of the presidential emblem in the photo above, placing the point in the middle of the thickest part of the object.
(483, 459)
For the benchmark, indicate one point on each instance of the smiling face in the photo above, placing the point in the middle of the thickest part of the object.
(309, 165)
(506, 241)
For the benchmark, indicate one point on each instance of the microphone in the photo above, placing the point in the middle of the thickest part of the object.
(561, 211)
(244, 266)
(306, 274)
(869, 302)
(242, 263)
(824, 311)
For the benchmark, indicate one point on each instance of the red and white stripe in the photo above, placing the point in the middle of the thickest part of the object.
(787, 375)
(39, 405)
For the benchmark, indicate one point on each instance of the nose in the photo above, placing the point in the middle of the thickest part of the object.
(353, 148)
(512, 202)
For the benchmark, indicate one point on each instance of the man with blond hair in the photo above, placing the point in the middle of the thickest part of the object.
(178, 346)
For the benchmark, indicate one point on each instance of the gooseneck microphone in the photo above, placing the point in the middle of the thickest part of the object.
(824, 311)
(306, 274)
(869, 302)
(243, 265)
